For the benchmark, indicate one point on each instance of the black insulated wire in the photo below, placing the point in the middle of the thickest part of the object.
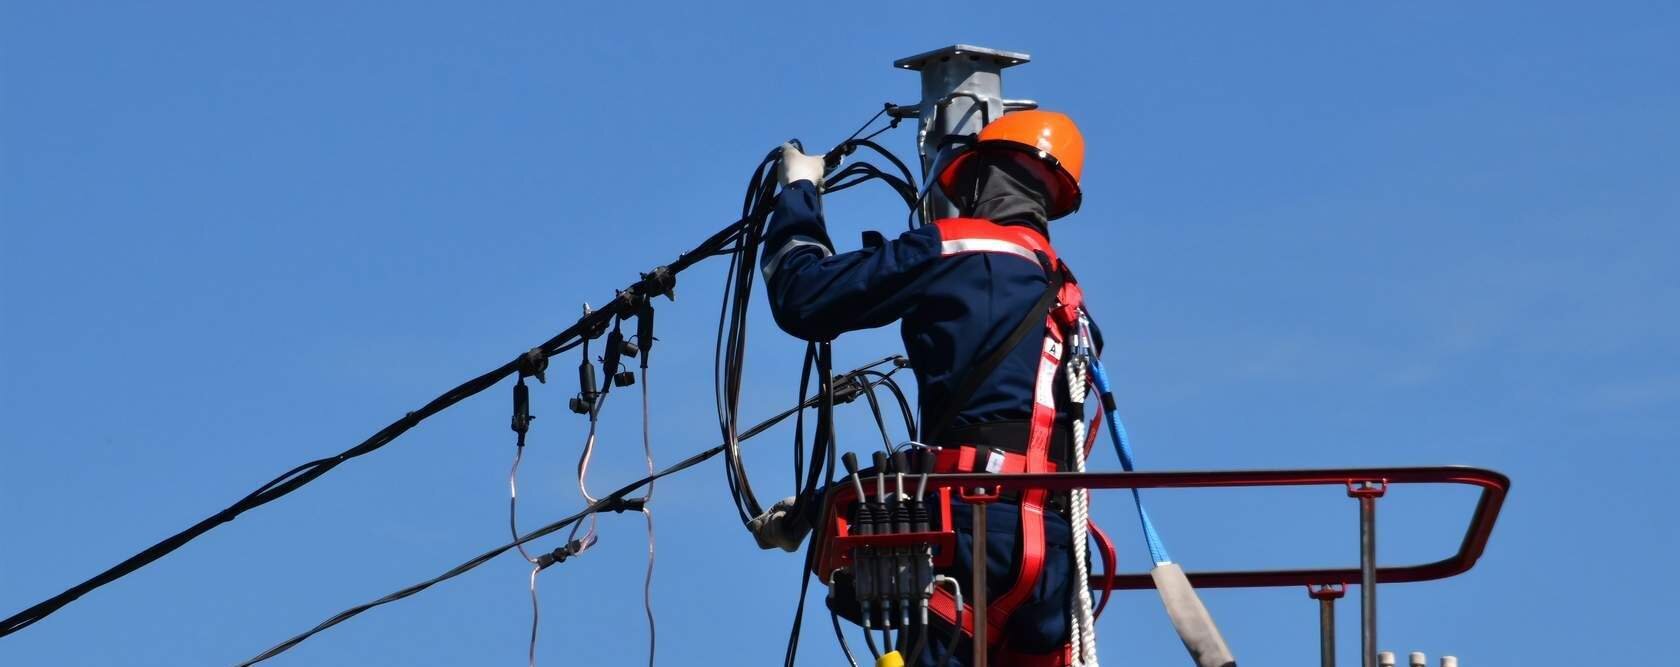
(513, 529)
(908, 414)
(654, 283)
(738, 239)
(840, 635)
(618, 500)
(730, 350)
(880, 421)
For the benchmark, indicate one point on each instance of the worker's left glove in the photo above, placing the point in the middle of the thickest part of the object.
(778, 527)
(797, 166)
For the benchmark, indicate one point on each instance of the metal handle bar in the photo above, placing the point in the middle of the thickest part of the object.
(1494, 487)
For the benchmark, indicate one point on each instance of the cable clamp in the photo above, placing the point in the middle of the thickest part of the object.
(559, 555)
(622, 505)
(533, 364)
(847, 388)
(659, 281)
(595, 331)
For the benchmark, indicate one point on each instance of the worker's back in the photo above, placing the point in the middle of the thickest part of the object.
(957, 303)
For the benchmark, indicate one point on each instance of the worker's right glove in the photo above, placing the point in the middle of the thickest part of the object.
(797, 166)
(778, 527)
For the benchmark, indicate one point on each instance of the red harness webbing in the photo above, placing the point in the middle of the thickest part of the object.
(969, 235)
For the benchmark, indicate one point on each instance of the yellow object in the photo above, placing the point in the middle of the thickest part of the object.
(892, 659)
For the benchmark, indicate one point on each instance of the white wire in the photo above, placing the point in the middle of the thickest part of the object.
(513, 526)
(589, 536)
(957, 616)
(531, 653)
(647, 580)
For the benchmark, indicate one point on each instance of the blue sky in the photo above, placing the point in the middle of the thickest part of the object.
(234, 238)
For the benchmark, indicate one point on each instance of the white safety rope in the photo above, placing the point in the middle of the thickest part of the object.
(1082, 623)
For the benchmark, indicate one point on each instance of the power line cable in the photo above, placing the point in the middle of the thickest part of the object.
(616, 501)
(657, 282)
(738, 240)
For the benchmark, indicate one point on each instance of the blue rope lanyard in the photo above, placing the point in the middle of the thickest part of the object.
(1122, 446)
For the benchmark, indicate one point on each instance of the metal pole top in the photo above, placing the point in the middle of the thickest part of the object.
(997, 57)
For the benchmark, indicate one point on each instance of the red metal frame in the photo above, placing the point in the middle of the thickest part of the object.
(1494, 486)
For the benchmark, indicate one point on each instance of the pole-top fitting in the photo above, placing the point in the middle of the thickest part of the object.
(962, 91)
(997, 57)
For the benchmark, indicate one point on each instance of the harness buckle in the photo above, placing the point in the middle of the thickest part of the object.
(1066, 315)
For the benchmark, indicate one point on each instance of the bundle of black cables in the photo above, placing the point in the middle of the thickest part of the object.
(730, 351)
(813, 473)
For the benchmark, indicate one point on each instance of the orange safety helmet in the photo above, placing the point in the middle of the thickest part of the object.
(1046, 135)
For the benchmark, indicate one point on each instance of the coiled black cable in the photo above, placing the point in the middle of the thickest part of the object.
(730, 349)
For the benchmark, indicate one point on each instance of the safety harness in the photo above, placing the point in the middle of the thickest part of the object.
(1059, 311)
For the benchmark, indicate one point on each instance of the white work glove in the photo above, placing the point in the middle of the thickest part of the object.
(797, 166)
(778, 527)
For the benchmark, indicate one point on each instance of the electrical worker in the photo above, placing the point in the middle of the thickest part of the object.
(965, 291)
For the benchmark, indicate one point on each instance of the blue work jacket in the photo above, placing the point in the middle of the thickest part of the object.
(954, 309)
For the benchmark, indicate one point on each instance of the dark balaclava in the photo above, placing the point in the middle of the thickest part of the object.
(998, 188)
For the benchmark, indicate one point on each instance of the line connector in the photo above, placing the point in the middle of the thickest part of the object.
(533, 364)
(622, 505)
(659, 281)
(559, 555)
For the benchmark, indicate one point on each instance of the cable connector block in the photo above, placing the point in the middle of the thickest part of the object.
(847, 388)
